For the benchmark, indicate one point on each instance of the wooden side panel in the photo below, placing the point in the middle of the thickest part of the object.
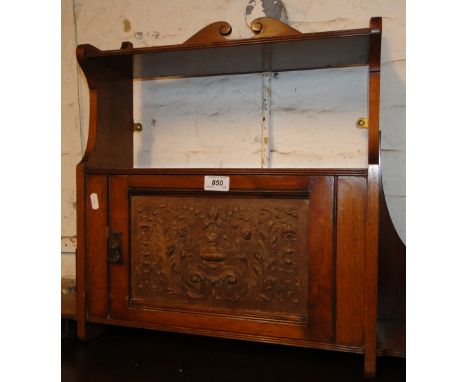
(96, 249)
(372, 245)
(374, 108)
(114, 136)
(350, 256)
(321, 257)
(110, 136)
(375, 39)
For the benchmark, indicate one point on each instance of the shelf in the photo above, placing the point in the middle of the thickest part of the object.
(305, 51)
(229, 171)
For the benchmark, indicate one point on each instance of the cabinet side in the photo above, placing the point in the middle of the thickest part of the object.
(110, 136)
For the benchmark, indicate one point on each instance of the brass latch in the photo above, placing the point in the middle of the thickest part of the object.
(362, 123)
(115, 247)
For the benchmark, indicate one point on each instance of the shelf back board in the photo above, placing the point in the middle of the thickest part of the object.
(283, 53)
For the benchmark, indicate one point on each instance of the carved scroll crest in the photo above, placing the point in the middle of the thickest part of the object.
(262, 27)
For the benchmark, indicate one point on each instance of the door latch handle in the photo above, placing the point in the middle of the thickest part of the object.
(115, 247)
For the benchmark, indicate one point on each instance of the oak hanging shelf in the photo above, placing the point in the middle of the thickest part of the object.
(306, 257)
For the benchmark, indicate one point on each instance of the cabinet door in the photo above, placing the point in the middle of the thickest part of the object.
(241, 261)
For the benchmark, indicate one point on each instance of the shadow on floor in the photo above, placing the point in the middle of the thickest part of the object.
(123, 354)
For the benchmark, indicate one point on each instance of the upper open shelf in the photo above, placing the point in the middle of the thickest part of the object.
(276, 47)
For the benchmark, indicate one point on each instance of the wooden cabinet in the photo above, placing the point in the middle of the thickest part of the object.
(286, 256)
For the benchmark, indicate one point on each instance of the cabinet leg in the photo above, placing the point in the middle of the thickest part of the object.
(370, 364)
(81, 329)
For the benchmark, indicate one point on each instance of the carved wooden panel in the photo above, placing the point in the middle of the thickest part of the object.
(222, 252)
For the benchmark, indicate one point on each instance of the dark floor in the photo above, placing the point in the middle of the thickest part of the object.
(122, 354)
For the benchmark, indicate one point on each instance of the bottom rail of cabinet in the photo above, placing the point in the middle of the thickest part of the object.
(229, 335)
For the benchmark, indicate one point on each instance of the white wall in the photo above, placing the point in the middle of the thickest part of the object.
(217, 121)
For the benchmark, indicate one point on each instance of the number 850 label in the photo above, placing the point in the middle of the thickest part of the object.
(216, 183)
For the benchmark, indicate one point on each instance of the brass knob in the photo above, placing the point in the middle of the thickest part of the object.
(362, 123)
(225, 30)
(137, 127)
(256, 27)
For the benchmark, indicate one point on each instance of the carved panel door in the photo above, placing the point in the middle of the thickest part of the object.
(236, 261)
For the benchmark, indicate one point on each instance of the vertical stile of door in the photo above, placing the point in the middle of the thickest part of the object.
(321, 257)
(119, 222)
(350, 255)
(96, 254)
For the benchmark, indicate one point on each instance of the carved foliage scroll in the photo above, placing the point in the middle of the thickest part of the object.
(220, 252)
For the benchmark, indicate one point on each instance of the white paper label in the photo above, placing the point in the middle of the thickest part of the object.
(216, 183)
(94, 201)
